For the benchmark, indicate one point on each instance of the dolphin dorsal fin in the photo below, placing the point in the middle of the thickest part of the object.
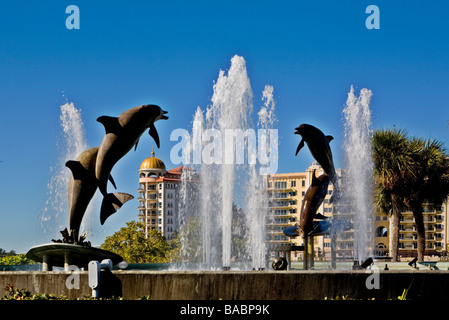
(300, 145)
(319, 216)
(78, 171)
(154, 134)
(329, 138)
(315, 180)
(111, 124)
(112, 181)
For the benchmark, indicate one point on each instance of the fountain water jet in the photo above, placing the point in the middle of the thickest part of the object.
(357, 147)
(218, 136)
(256, 189)
(74, 142)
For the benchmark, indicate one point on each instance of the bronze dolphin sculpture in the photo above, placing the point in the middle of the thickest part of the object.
(81, 188)
(312, 200)
(319, 147)
(122, 133)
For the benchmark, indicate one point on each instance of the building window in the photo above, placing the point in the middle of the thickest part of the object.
(303, 183)
(293, 183)
(383, 232)
(280, 185)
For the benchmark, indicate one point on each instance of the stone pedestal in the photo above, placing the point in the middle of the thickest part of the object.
(63, 255)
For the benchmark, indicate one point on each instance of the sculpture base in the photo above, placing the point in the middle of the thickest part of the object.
(63, 254)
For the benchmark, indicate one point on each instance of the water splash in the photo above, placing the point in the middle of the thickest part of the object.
(230, 109)
(54, 215)
(359, 164)
(256, 189)
(225, 178)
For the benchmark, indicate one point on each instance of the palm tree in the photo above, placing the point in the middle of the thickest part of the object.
(431, 183)
(393, 166)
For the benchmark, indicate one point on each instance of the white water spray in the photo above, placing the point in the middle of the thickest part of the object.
(359, 162)
(256, 189)
(223, 178)
(231, 108)
(73, 143)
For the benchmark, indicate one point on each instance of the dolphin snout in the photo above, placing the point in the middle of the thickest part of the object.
(163, 116)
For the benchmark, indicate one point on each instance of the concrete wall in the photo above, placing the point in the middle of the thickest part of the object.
(231, 285)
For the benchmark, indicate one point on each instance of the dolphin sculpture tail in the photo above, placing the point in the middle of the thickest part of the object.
(111, 203)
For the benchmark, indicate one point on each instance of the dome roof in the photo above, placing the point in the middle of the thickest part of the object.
(152, 163)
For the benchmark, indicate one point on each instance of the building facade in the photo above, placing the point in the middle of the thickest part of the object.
(286, 192)
(157, 196)
(435, 226)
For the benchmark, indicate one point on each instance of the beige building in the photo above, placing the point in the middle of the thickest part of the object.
(435, 226)
(157, 196)
(286, 191)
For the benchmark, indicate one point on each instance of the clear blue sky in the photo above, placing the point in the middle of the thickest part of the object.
(129, 53)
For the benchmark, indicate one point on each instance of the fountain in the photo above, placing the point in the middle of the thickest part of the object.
(359, 165)
(206, 207)
(356, 194)
(219, 140)
(64, 254)
(221, 172)
(91, 170)
(73, 143)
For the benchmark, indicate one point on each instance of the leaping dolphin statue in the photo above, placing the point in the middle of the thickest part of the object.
(81, 188)
(122, 133)
(313, 199)
(319, 147)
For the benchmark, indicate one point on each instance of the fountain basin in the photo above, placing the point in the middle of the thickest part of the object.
(244, 285)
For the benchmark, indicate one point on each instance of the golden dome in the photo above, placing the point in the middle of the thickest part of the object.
(152, 163)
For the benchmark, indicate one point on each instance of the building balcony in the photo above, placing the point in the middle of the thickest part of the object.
(273, 189)
(279, 205)
(280, 223)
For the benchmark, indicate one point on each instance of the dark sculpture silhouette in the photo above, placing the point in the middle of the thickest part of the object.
(122, 133)
(92, 168)
(319, 147)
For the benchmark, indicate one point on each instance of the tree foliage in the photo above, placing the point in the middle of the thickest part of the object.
(393, 166)
(11, 258)
(15, 260)
(130, 243)
(408, 172)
